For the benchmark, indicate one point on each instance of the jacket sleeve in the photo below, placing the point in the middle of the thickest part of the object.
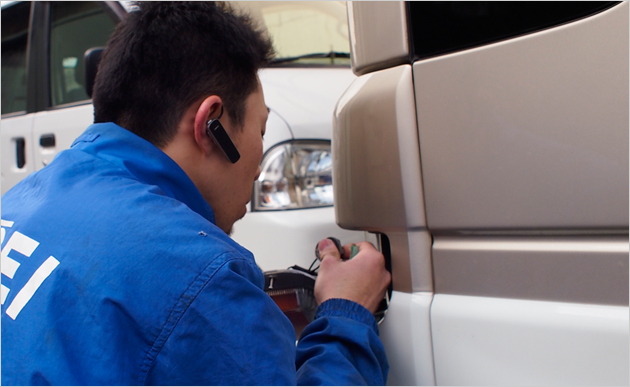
(341, 347)
(232, 333)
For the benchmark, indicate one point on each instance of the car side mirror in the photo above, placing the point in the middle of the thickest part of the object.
(92, 58)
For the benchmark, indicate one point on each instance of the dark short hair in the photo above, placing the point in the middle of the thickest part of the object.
(167, 55)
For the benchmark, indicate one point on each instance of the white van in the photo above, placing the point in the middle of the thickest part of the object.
(45, 106)
(487, 144)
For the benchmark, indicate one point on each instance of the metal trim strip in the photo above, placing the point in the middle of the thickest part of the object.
(592, 270)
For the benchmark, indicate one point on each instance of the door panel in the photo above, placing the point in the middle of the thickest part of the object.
(530, 310)
(17, 157)
(523, 169)
(13, 130)
(65, 124)
(376, 169)
(406, 335)
(584, 269)
(529, 133)
(495, 341)
(75, 27)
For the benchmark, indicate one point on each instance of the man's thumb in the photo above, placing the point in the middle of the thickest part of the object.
(327, 247)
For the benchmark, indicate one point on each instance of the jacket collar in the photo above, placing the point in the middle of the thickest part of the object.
(145, 161)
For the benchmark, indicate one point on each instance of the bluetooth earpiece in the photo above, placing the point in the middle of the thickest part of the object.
(217, 133)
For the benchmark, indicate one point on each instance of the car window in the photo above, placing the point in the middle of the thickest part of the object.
(14, 39)
(75, 27)
(440, 27)
(308, 32)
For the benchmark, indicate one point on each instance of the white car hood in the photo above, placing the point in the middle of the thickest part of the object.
(305, 97)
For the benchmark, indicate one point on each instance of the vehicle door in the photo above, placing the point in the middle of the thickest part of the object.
(487, 142)
(16, 123)
(68, 30)
(45, 106)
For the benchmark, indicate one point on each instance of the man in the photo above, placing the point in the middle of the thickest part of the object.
(117, 263)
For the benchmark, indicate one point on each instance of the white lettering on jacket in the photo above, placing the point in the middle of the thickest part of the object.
(26, 246)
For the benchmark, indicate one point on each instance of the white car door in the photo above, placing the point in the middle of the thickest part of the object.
(17, 154)
(16, 132)
(45, 106)
(74, 28)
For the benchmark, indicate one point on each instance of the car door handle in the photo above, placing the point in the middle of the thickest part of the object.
(19, 152)
(47, 140)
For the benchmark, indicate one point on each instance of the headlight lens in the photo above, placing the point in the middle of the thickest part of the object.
(295, 174)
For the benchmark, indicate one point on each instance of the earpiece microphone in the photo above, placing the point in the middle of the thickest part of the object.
(217, 133)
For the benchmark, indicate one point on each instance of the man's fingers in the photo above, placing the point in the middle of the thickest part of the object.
(327, 247)
(362, 279)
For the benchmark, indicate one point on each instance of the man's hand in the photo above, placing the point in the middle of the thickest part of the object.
(362, 279)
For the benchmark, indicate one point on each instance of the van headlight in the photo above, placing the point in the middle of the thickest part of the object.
(295, 174)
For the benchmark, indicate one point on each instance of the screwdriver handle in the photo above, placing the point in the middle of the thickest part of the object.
(354, 250)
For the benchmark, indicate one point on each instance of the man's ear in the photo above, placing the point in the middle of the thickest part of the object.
(209, 109)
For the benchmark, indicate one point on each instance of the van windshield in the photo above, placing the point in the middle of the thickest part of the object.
(304, 32)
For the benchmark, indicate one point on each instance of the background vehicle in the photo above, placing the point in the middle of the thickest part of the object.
(45, 106)
(487, 144)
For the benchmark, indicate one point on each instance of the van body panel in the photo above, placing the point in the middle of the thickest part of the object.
(375, 139)
(581, 269)
(410, 355)
(377, 48)
(529, 133)
(496, 341)
(520, 270)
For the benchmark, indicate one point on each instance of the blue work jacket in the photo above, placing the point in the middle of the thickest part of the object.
(114, 273)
